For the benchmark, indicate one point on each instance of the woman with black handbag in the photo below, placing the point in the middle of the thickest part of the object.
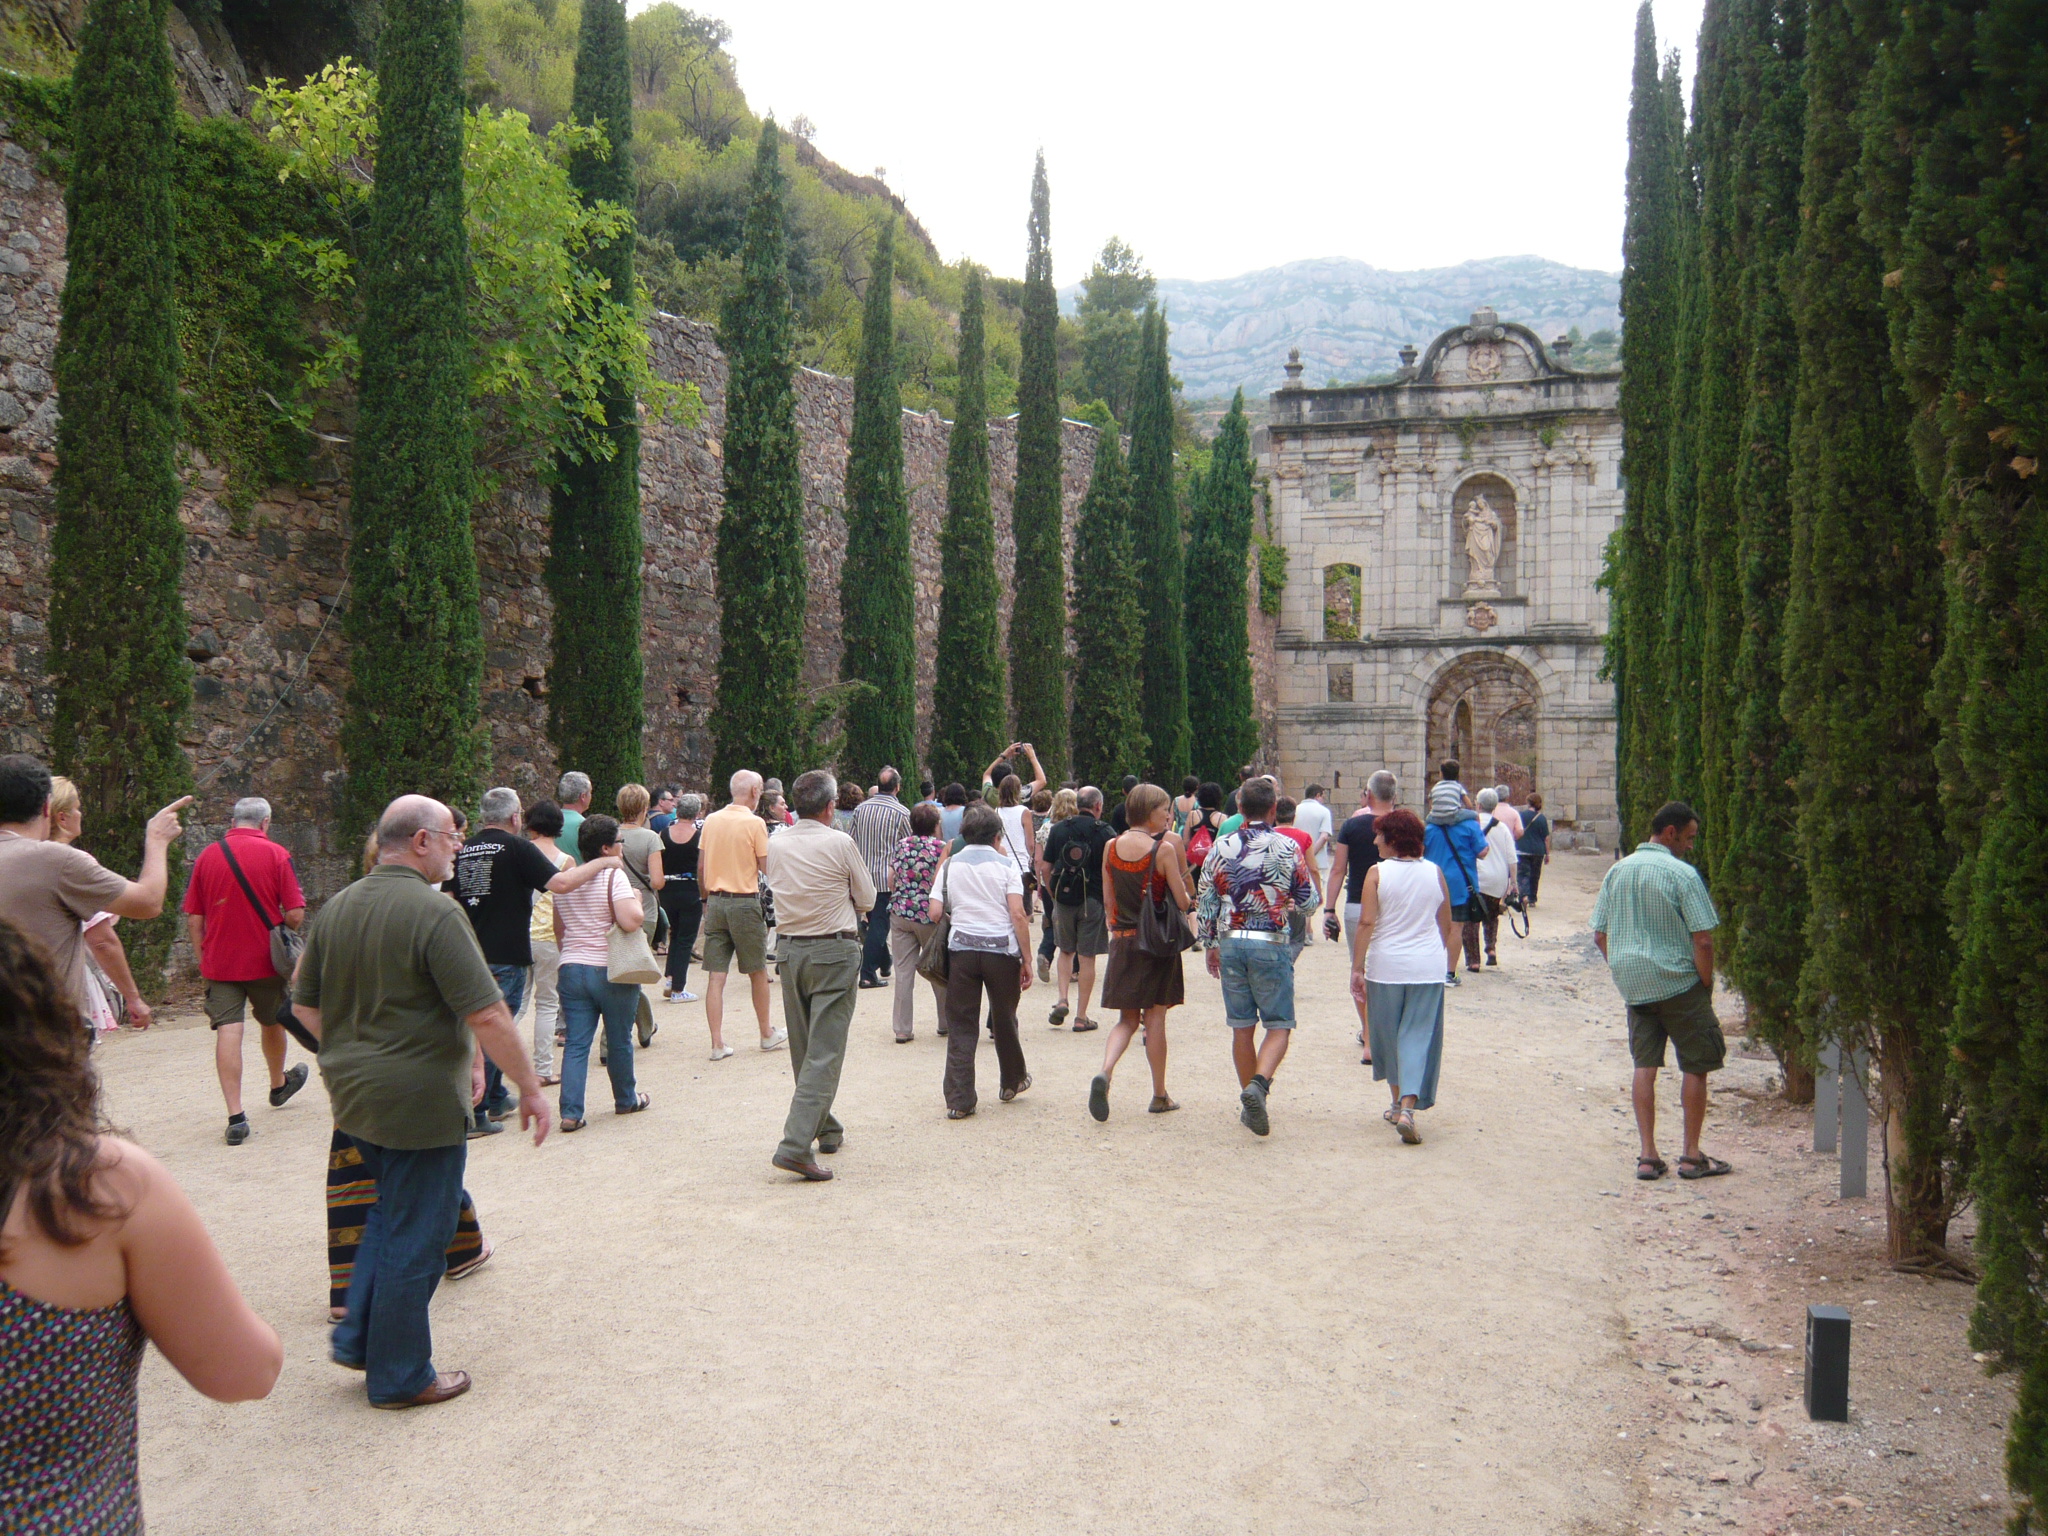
(1146, 898)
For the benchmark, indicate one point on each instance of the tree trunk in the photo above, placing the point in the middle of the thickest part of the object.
(1798, 1080)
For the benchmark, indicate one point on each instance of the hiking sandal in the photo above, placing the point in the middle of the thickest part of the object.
(1702, 1167)
(1161, 1105)
(1649, 1168)
(1404, 1123)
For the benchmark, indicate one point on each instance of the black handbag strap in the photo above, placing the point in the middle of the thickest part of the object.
(247, 890)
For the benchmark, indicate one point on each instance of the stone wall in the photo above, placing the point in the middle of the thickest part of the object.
(264, 591)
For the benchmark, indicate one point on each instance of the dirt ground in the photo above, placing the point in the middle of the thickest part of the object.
(1027, 1322)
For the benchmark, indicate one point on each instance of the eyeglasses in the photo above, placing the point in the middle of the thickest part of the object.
(452, 835)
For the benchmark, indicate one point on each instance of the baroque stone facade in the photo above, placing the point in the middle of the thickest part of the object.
(1445, 535)
(263, 591)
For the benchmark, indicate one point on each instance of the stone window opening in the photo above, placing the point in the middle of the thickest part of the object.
(534, 687)
(1344, 487)
(1343, 601)
(1343, 683)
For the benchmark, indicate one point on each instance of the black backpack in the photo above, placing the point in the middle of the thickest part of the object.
(1070, 878)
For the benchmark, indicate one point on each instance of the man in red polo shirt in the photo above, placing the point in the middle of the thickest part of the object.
(233, 942)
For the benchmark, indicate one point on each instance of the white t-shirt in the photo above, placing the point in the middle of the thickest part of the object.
(1407, 945)
(1497, 865)
(1313, 817)
(587, 918)
(981, 881)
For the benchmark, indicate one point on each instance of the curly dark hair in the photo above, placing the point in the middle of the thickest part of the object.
(50, 1118)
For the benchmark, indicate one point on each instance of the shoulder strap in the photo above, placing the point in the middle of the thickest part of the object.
(243, 881)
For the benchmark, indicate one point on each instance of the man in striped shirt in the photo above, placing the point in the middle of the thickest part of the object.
(879, 823)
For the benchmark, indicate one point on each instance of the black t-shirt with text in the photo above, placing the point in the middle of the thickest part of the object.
(496, 875)
(1356, 835)
(1073, 851)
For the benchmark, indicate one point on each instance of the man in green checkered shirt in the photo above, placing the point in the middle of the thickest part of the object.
(1655, 922)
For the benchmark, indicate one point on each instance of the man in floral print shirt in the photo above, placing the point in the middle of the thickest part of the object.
(1254, 878)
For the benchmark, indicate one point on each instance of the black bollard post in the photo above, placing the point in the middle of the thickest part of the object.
(1827, 1363)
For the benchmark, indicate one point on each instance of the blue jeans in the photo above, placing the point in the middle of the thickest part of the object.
(401, 1259)
(874, 947)
(511, 980)
(1258, 983)
(587, 995)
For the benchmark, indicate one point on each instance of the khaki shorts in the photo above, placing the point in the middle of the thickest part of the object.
(734, 929)
(225, 1000)
(1688, 1022)
(1080, 930)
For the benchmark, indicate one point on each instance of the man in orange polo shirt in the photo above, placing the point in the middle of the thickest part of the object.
(735, 852)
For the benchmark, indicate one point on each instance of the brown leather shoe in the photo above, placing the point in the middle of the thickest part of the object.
(817, 1173)
(446, 1385)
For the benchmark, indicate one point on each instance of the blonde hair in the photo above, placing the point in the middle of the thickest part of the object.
(1064, 804)
(633, 801)
(1143, 803)
(63, 796)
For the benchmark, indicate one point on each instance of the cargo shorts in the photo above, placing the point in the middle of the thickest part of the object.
(1688, 1022)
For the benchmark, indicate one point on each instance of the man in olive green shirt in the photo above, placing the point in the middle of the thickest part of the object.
(393, 985)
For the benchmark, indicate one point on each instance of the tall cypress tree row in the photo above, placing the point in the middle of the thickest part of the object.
(596, 687)
(1108, 724)
(968, 710)
(1679, 639)
(877, 587)
(117, 619)
(1635, 574)
(1222, 722)
(1038, 611)
(414, 628)
(1155, 529)
(759, 719)
(1762, 873)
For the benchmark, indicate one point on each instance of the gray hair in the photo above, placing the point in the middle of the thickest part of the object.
(1486, 800)
(1383, 786)
(813, 792)
(574, 786)
(251, 811)
(406, 817)
(690, 807)
(1502, 794)
(1090, 798)
(499, 807)
(743, 783)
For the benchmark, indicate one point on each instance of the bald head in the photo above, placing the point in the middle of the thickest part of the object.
(745, 788)
(418, 832)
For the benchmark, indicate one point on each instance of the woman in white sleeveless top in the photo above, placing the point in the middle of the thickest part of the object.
(1406, 944)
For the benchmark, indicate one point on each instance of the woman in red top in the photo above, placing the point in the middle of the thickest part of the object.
(1147, 863)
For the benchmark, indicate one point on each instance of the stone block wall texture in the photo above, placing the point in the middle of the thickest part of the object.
(263, 591)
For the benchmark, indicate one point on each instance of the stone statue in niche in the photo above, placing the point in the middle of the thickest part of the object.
(1482, 548)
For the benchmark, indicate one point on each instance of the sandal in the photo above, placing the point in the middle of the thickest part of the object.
(1702, 1167)
(568, 1126)
(551, 1080)
(1391, 1113)
(1160, 1105)
(1405, 1124)
(958, 1114)
(641, 1101)
(1082, 1026)
(1010, 1093)
(1649, 1168)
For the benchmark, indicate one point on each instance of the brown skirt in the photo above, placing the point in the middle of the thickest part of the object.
(1139, 980)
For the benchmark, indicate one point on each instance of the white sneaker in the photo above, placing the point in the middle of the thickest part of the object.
(721, 1053)
(776, 1041)
(684, 997)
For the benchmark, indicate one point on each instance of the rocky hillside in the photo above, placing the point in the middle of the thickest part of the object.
(1351, 320)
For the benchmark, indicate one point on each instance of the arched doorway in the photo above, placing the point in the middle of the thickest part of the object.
(1483, 711)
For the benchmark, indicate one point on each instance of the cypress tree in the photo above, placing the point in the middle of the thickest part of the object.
(1635, 572)
(414, 628)
(1222, 722)
(1762, 872)
(877, 588)
(1679, 640)
(967, 703)
(1155, 529)
(595, 681)
(759, 719)
(1038, 612)
(1862, 630)
(1108, 724)
(117, 619)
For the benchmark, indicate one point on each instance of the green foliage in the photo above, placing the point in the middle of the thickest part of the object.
(759, 721)
(413, 623)
(969, 709)
(1108, 724)
(596, 681)
(117, 619)
(1113, 293)
(1156, 533)
(877, 586)
(1038, 612)
(1272, 575)
(1222, 721)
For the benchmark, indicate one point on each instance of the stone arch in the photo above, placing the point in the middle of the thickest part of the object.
(1504, 497)
(1484, 708)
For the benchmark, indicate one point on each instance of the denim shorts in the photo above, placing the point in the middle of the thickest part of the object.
(1258, 983)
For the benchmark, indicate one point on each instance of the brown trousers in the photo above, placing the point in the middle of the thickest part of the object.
(972, 973)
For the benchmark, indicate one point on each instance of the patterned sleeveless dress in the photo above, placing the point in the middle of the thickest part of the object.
(1134, 978)
(67, 1417)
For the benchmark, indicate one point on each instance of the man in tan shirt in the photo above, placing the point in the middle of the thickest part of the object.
(735, 851)
(822, 890)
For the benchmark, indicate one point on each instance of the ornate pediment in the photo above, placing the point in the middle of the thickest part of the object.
(1487, 351)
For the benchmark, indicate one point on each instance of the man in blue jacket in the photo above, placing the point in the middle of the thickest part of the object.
(1452, 841)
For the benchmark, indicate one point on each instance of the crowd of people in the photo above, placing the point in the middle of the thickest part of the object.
(409, 985)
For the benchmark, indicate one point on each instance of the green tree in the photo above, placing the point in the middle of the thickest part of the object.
(1635, 572)
(759, 719)
(595, 681)
(413, 624)
(1222, 720)
(968, 716)
(1113, 293)
(1108, 725)
(117, 619)
(1762, 874)
(877, 587)
(1156, 533)
(1038, 612)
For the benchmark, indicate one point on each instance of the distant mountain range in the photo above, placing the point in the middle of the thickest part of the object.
(1351, 320)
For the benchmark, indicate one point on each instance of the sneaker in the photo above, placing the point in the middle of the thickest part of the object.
(504, 1111)
(294, 1080)
(776, 1041)
(1493, 959)
(484, 1128)
(721, 1053)
(685, 996)
(239, 1131)
(1253, 1113)
(1451, 979)
(1044, 971)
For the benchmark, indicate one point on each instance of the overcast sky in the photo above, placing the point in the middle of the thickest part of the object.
(1221, 138)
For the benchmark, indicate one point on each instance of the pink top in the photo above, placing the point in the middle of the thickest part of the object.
(587, 918)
